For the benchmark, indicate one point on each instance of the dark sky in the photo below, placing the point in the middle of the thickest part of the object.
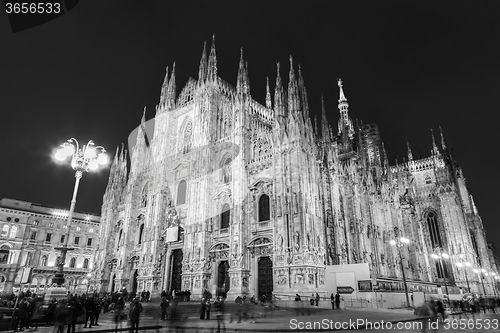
(409, 66)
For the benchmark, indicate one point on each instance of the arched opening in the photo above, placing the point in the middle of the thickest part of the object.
(434, 232)
(13, 232)
(187, 138)
(265, 277)
(72, 262)
(225, 216)
(176, 270)
(144, 199)
(134, 282)
(86, 263)
(181, 192)
(141, 230)
(223, 278)
(5, 230)
(43, 261)
(264, 208)
(4, 254)
(113, 283)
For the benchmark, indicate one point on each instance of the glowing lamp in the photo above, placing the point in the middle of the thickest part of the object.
(93, 165)
(102, 159)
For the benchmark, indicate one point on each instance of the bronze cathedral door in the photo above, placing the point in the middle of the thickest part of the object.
(223, 278)
(176, 271)
(265, 276)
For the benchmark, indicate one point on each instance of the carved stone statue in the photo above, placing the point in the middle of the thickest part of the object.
(296, 240)
(280, 243)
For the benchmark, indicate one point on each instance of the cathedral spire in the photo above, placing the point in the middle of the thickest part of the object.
(202, 70)
(164, 88)
(269, 103)
(278, 94)
(293, 94)
(171, 90)
(303, 94)
(344, 121)
(386, 159)
(242, 83)
(408, 149)
(435, 150)
(212, 62)
(324, 121)
(443, 144)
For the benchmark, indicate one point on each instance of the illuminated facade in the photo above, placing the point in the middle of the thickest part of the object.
(29, 235)
(265, 200)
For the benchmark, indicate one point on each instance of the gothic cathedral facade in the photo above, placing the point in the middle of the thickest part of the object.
(260, 201)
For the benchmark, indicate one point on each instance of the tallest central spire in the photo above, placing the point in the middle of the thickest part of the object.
(344, 121)
(212, 62)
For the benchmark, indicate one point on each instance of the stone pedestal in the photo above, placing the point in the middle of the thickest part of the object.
(239, 283)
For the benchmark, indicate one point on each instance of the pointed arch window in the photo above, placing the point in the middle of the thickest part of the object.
(141, 230)
(4, 254)
(187, 138)
(119, 238)
(86, 263)
(474, 245)
(225, 216)
(29, 257)
(428, 179)
(226, 171)
(264, 208)
(72, 262)
(434, 233)
(43, 261)
(181, 192)
(144, 198)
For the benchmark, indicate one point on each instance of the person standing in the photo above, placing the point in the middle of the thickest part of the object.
(98, 307)
(135, 313)
(60, 314)
(317, 299)
(337, 301)
(118, 309)
(202, 309)
(89, 312)
(219, 307)
(332, 300)
(164, 307)
(208, 304)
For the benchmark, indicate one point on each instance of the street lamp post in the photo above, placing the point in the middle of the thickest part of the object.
(399, 243)
(83, 159)
(439, 255)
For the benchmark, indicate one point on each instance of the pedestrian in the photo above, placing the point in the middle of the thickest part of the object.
(332, 300)
(317, 299)
(118, 310)
(98, 307)
(337, 301)
(311, 301)
(440, 309)
(202, 309)
(208, 304)
(135, 313)
(89, 312)
(219, 307)
(164, 306)
(60, 314)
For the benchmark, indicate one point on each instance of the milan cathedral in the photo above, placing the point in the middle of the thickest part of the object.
(249, 199)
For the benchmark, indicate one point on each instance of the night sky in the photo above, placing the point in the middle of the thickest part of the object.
(409, 66)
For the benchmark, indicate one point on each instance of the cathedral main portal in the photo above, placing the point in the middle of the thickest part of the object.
(223, 278)
(265, 276)
(176, 270)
